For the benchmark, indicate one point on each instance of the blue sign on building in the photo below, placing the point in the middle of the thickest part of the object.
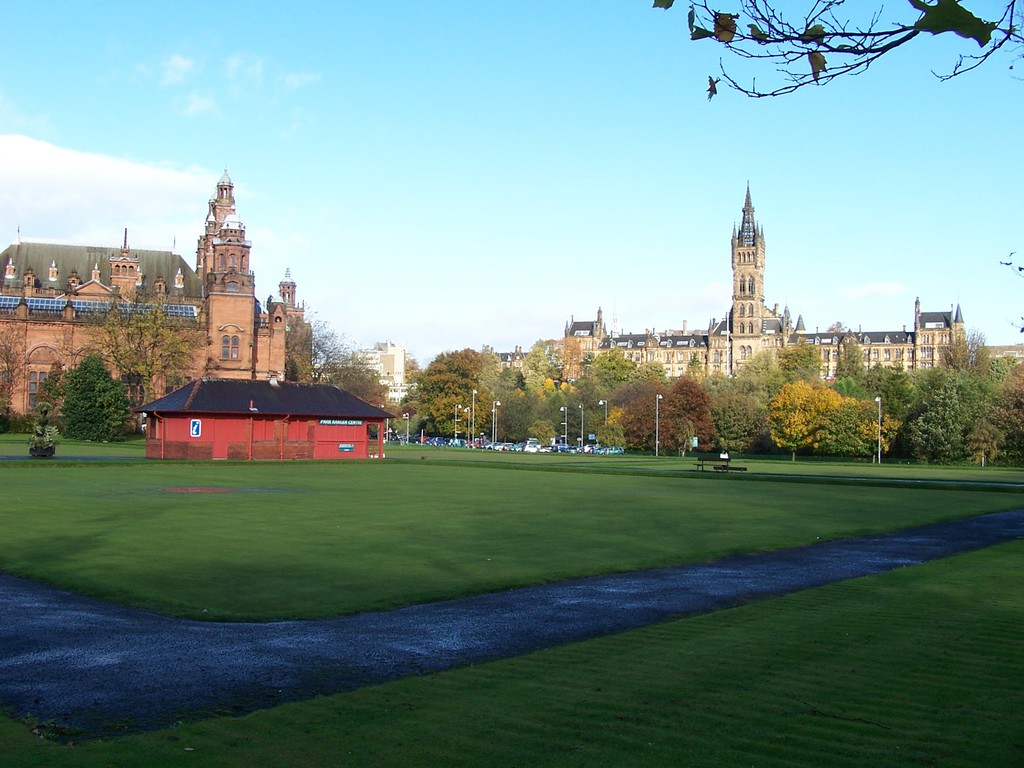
(195, 428)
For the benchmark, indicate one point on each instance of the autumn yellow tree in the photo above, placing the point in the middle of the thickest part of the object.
(798, 414)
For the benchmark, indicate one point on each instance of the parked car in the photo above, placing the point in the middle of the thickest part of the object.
(532, 445)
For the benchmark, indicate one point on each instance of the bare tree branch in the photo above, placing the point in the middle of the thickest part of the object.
(828, 39)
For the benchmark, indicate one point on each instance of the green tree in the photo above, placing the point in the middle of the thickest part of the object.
(543, 430)
(851, 358)
(446, 385)
(611, 434)
(815, 42)
(609, 370)
(95, 406)
(650, 371)
(1008, 417)
(761, 378)
(938, 431)
(741, 421)
(519, 411)
(800, 362)
(849, 429)
(984, 442)
(895, 387)
(147, 347)
(542, 364)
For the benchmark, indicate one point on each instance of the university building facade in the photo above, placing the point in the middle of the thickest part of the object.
(52, 296)
(750, 327)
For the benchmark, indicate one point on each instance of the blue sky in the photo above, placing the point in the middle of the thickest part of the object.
(454, 174)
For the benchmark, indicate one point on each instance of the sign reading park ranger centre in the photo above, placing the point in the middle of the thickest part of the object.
(341, 422)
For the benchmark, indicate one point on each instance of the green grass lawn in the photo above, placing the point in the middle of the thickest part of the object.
(920, 666)
(16, 446)
(310, 539)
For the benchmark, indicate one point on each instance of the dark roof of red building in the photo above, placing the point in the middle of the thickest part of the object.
(245, 396)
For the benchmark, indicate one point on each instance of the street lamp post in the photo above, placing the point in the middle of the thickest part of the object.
(657, 425)
(605, 404)
(565, 425)
(406, 417)
(471, 432)
(457, 409)
(582, 433)
(879, 401)
(494, 421)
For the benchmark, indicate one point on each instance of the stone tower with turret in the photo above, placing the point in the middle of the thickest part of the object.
(748, 310)
(246, 340)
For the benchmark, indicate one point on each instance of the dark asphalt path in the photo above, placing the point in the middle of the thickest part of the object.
(95, 666)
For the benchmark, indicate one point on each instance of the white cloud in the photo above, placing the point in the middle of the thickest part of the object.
(199, 104)
(177, 69)
(55, 194)
(294, 80)
(244, 69)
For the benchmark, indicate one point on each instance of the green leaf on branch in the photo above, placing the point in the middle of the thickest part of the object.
(666, 4)
(817, 61)
(813, 34)
(950, 16)
(699, 33)
(756, 33)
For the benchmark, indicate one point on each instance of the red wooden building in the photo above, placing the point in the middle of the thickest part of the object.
(246, 419)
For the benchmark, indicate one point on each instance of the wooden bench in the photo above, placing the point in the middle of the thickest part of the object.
(719, 465)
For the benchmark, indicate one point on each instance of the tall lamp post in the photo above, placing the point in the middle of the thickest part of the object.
(565, 426)
(879, 401)
(457, 409)
(657, 426)
(406, 417)
(605, 404)
(582, 433)
(494, 421)
(471, 432)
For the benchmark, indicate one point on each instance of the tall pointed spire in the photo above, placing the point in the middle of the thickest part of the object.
(748, 227)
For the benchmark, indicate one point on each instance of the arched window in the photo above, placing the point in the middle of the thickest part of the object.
(225, 347)
(231, 285)
(750, 309)
(234, 347)
(35, 379)
(742, 310)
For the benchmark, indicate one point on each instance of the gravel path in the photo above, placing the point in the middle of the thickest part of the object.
(97, 666)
